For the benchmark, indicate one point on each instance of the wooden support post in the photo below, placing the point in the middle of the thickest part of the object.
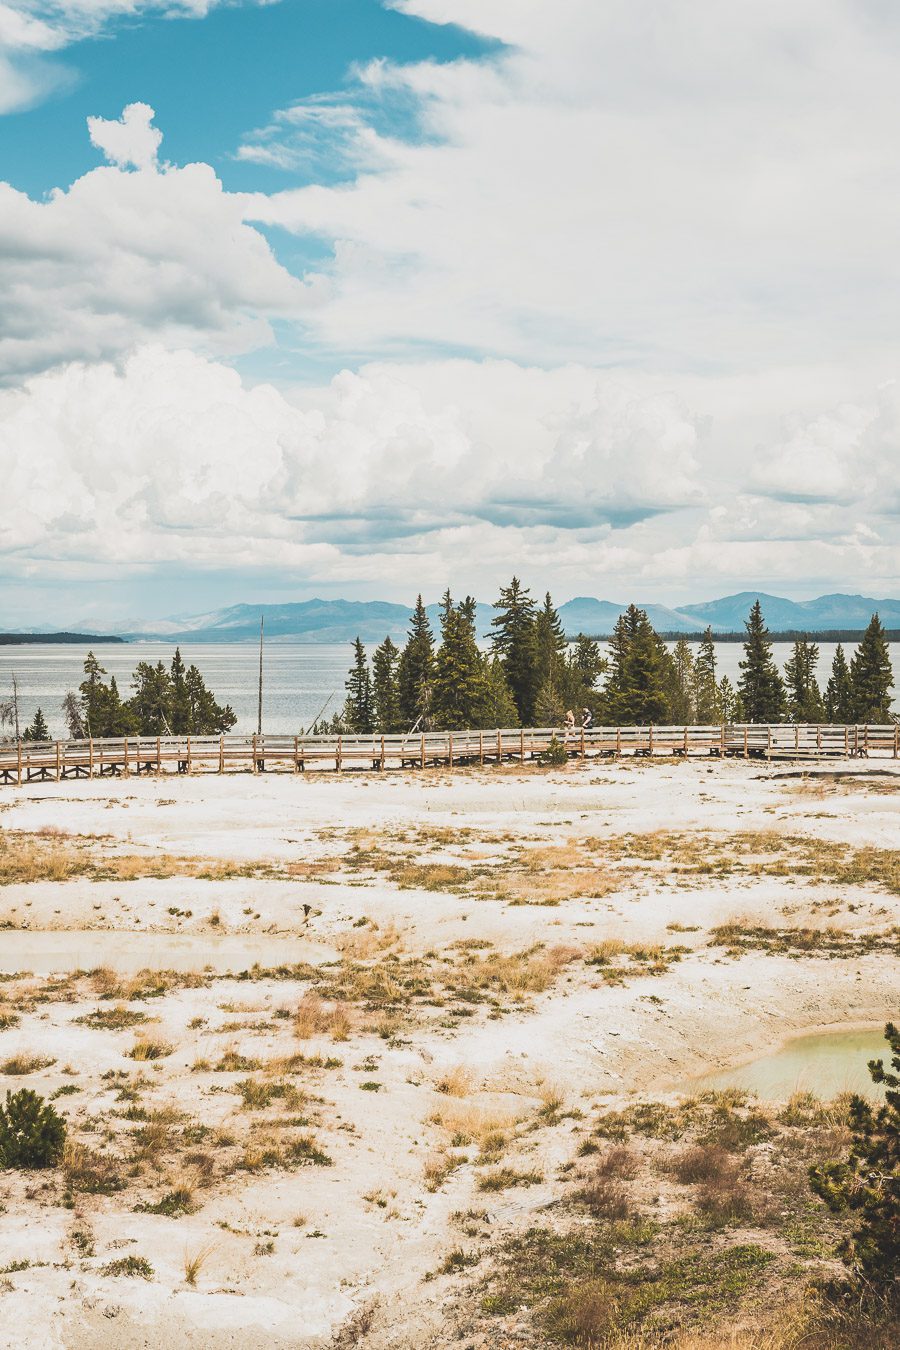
(796, 735)
(339, 757)
(768, 741)
(522, 746)
(159, 754)
(746, 748)
(896, 740)
(481, 748)
(722, 741)
(221, 753)
(423, 749)
(685, 742)
(59, 761)
(125, 756)
(382, 754)
(255, 765)
(499, 747)
(866, 740)
(618, 742)
(450, 747)
(296, 754)
(819, 739)
(583, 751)
(846, 740)
(19, 763)
(90, 757)
(188, 754)
(650, 739)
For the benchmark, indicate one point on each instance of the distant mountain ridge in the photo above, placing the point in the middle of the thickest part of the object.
(373, 620)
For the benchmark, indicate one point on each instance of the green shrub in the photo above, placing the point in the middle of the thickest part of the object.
(868, 1182)
(32, 1134)
(555, 753)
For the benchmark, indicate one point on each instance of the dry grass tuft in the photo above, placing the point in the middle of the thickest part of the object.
(195, 1261)
(455, 1082)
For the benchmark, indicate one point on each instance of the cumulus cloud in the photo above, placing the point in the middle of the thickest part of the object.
(592, 482)
(131, 141)
(122, 257)
(626, 182)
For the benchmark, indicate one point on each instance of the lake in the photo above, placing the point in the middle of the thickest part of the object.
(298, 679)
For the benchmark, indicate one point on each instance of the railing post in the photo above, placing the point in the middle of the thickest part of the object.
(768, 741)
(221, 752)
(125, 756)
(19, 763)
(296, 754)
(59, 763)
(723, 741)
(746, 747)
(583, 751)
(423, 749)
(450, 747)
(896, 739)
(796, 735)
(522, 745)
(188, 754)
(90, 756)
(650, 740)
(618, 742)
(481, 748)
(499, 747)
(382, 754)
(159, 754)
(338, 759)
(685, 742)
(846, 740)
(253, 747)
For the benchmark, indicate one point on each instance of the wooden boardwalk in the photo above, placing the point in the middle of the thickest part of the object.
(32, 761)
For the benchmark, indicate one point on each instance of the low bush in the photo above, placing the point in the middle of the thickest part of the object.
(32, 1133)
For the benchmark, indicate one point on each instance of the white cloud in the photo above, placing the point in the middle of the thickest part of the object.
(121, 257)
(131, 141)
(628, 182)
(381, 480)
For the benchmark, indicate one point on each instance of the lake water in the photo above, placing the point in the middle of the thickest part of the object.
(299, 678)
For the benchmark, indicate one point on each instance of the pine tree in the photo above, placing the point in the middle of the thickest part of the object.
(550, 645)
(358, 710)
(32, 1133)
(839, 690)
(74, 715)
(38, 731)
(498, 708)
(585, 663)
(707, 704)
(760, 686)
(804, 697)
(179, 698)
(93, 696)
(384, 688)
(681, 693)
(871, 677)
(868, 1182)
(415, 669)
(460, 681)
(513, 641)
(729, 702)
(205, 716)
(637, 691)
(152, 698)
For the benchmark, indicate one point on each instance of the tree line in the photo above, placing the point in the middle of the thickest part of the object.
(165, 701)
(531, 674)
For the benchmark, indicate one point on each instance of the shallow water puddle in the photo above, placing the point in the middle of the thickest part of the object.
(45, 953)
(824, 1064)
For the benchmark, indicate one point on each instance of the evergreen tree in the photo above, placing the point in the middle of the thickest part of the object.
(513, 641)
(358, 710)
(93, 696)
(729, 702)
(498, 708)
(585, 664)
(152, 698)
(74, 715)
(868, 1182)
(204, 715)
(706, 701)
(871, 677)
(38, 731)
(179, 698)
(839, 690)
(384, 688)
(550, 645)
(681, 693)
(760, 686)
(804, 697)
(637, 691)
(460, 681)
(415, 669)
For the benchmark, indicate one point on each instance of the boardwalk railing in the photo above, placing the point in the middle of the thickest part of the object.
(29, 761)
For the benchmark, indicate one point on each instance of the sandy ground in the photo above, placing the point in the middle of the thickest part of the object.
(308, 1256)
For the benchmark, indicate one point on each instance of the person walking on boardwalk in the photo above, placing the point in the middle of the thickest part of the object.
(570, 726)
(587, 719)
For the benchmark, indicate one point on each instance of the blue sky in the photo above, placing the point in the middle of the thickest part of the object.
(358, 297)
(210, 80)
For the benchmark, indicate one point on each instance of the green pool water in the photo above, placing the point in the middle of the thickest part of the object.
(824, 1064)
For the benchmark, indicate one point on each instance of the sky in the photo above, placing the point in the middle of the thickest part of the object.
(365, 297)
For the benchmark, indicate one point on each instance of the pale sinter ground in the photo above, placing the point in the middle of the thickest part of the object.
(339, 1172)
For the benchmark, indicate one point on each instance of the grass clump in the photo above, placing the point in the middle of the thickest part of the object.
(138, 1267)
(118, 1018)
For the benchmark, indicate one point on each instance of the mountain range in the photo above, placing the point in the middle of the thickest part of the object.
(373, 620)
